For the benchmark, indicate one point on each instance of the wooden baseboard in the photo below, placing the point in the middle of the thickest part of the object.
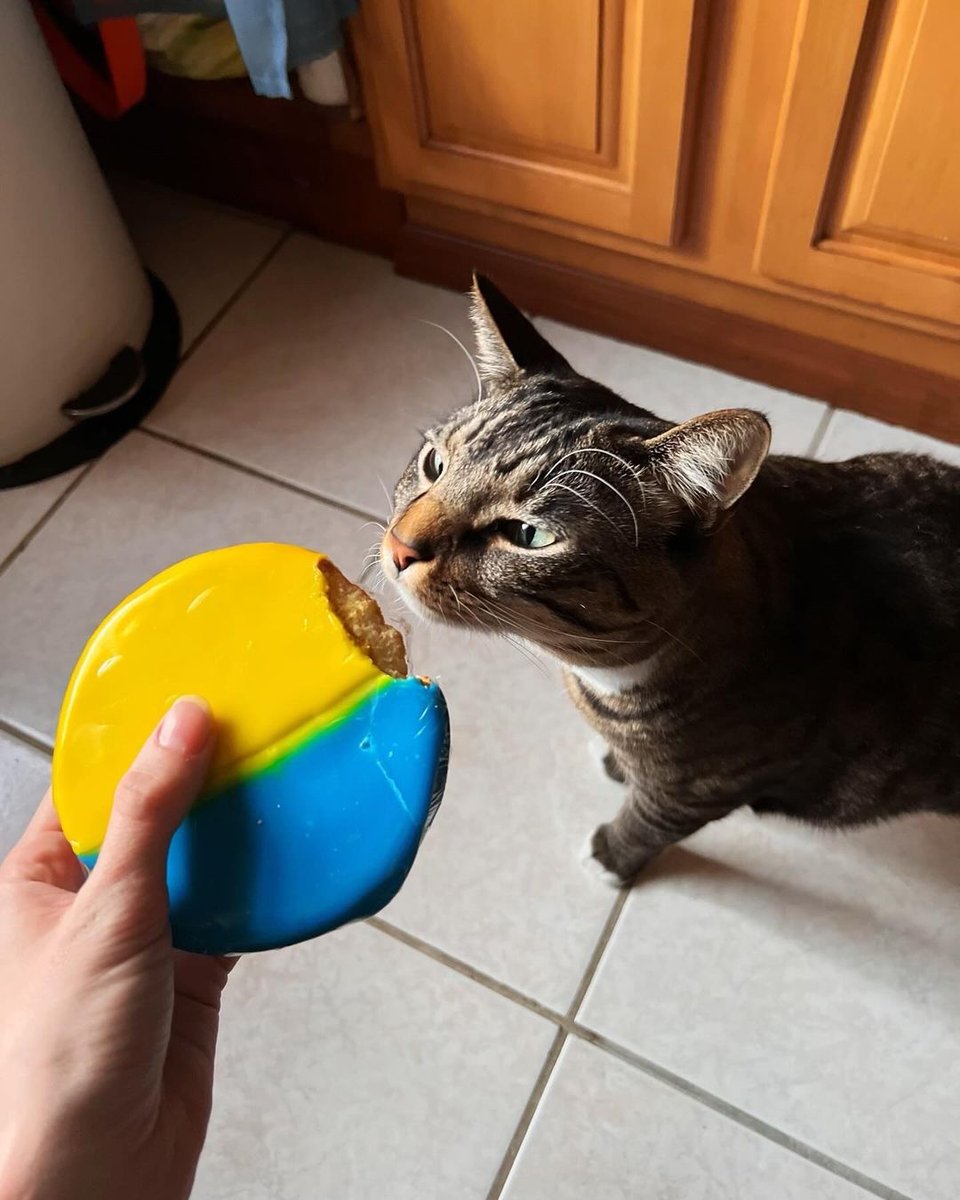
(798, 362)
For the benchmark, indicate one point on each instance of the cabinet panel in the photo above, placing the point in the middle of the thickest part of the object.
(572, 109)
(486, 104)
(864, 192)
(903, 184)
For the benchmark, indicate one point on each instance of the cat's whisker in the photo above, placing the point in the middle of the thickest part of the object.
(379, 584)
(590, 504)
(508, 636)
(453, 593)
(606, 483)
(526, 652)
(585, 638)
(673, 637)
(472, 361)
(368, 561)
(617, 458)
(511, 635)
(365, 571)
(383, 488)
(505, 620)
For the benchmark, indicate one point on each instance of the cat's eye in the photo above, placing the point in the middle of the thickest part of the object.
(432, 464)
(528, 537)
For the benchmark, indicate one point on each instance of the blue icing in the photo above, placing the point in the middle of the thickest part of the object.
(324, 836)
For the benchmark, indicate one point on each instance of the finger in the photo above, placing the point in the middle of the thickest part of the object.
(43, 854)
(44, 820)
(151, 800)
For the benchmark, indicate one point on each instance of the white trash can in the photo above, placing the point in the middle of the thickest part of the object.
(88, 340)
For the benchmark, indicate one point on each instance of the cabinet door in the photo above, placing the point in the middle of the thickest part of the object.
(864, 193)
(573, 109)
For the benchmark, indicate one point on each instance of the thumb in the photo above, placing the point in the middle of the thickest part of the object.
(151, 800)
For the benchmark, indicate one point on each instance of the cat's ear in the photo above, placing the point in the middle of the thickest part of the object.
(507, 342)
(710, 462)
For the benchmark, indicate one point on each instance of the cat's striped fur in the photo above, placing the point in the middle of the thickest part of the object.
(742, 630)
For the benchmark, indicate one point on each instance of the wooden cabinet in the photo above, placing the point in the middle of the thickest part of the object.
(573, 109)
(772, 185)
(864, 198)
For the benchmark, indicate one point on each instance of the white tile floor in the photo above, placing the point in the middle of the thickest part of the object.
(773, 1014)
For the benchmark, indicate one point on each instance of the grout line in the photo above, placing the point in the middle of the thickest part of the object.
(738, 1115)
(282, 239)
(567, 1026)
(605, 934)
(553, 1057)
(48, 513)
(264, 476)
(35, 740)
(526, 1117)
(820, 432)
(464, 968)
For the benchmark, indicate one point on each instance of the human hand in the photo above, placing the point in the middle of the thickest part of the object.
(108, 1034)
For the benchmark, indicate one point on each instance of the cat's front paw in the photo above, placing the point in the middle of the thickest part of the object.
(600, 859)
(596, 862)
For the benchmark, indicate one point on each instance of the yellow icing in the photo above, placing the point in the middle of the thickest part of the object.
(248, 628)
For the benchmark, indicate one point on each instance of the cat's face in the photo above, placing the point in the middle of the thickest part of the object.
(553, 510)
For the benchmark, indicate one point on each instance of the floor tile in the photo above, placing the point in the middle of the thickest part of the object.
(145, 505)
(203, 252)
(811, 979)
(603, 1129)
(356, 1067)
(24, 776)
(677, 390)
(849, 434)
(21, 508)
(323, 372)
(498, 881)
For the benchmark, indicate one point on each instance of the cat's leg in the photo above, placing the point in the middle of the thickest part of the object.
(640, 831)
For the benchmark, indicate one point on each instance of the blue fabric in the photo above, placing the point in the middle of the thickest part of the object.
(274, 36)
(260, 28)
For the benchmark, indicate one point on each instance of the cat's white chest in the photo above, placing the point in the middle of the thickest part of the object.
(606, 680)
(610, 680)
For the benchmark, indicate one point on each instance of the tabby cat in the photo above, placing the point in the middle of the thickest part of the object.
(741, 629)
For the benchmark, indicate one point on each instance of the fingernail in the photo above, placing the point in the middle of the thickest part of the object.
(186, 727)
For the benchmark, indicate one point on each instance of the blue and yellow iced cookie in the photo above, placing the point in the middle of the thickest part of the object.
(330, 761)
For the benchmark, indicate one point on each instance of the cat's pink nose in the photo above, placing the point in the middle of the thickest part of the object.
(403, 554)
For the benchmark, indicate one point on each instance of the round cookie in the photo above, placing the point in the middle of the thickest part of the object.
(330, 760)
